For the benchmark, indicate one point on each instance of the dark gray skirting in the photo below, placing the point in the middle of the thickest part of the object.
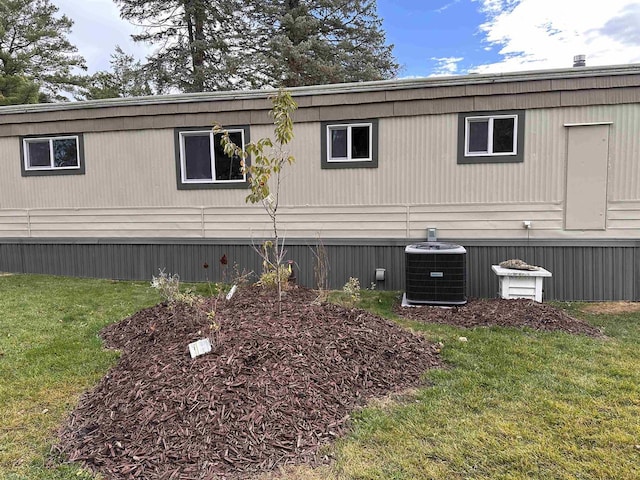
(582, 270)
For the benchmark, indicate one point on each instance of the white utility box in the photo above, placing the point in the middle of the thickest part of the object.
(520, 283)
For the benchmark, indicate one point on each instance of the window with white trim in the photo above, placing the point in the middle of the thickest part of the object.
(492, 137)
(201, 160)
(52, 155)
(350, 144)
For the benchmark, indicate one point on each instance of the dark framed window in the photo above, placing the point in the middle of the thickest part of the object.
(349, 144)
(202, 163)
(52, 155)
(491, 137)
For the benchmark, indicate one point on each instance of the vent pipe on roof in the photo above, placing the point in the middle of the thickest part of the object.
(579, 61)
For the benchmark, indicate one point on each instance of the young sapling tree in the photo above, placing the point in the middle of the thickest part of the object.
(264, 173)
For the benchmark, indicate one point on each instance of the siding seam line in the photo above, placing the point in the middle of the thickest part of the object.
(408, 220)
(202, 227)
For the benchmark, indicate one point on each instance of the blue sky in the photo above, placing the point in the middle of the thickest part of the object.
(428, 33)
(440, 37)
(444, 37)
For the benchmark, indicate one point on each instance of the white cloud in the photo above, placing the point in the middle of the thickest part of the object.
(626, 26)
(446, 6)
(540, 34)
(97, 29)
(446, 66)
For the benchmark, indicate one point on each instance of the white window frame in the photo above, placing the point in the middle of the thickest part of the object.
(490, 152)
(348, 158)
(183, 159)
(50, 140)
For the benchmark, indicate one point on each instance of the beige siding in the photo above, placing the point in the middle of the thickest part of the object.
(11, 181)
(14, 223)
(624, 153)
(624, 217)
(381, 222)
(473, 221)
(110, 222)
(417, 165)
(129, 189)
(308, 222)
(132, 169)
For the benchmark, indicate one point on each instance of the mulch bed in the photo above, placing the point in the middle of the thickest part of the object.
(483, 312)
(273, 390)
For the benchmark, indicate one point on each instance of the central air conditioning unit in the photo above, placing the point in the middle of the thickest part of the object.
(436, 273)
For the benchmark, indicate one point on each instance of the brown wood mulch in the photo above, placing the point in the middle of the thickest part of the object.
(487, 312)
(272, 391)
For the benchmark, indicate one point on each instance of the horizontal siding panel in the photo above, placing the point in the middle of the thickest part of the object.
(486, 228)
(425, 93)
(361, 216)
(348, 99)
(512, 102)
(309, 222)
(491, 224)
(312, 225)
(595, 82)
(486, 216)
(18, 219)
(624, 224)
(13, 230)
(367, 110)
(497, 102)
(508, 87)
(303, 217)
(430, 107)
(600, 97)
(113, 226)
(117, 211)
(105, 233)
(324, 233)
(124, 219)
(624, 205)
(623, 215)
(308, 210)
(483, 207)
(110, 222)
(480, 221)
(14, 223)
(420, 234)
(13, 226)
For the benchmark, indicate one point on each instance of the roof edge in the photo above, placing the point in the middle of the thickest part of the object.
(338, 88)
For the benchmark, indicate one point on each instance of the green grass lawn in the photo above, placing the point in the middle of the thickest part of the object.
(49, 354)
(513, 404)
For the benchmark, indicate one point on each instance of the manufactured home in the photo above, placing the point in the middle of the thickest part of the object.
(542, 166)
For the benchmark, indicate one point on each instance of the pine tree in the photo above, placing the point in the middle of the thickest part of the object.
(324, 41)
(201, 43)
(127, 78)
(17, 90)
(35, 51)
(206, 45)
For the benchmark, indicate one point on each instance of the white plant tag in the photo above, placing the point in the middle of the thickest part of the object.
(231, 292)
(200, 347)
